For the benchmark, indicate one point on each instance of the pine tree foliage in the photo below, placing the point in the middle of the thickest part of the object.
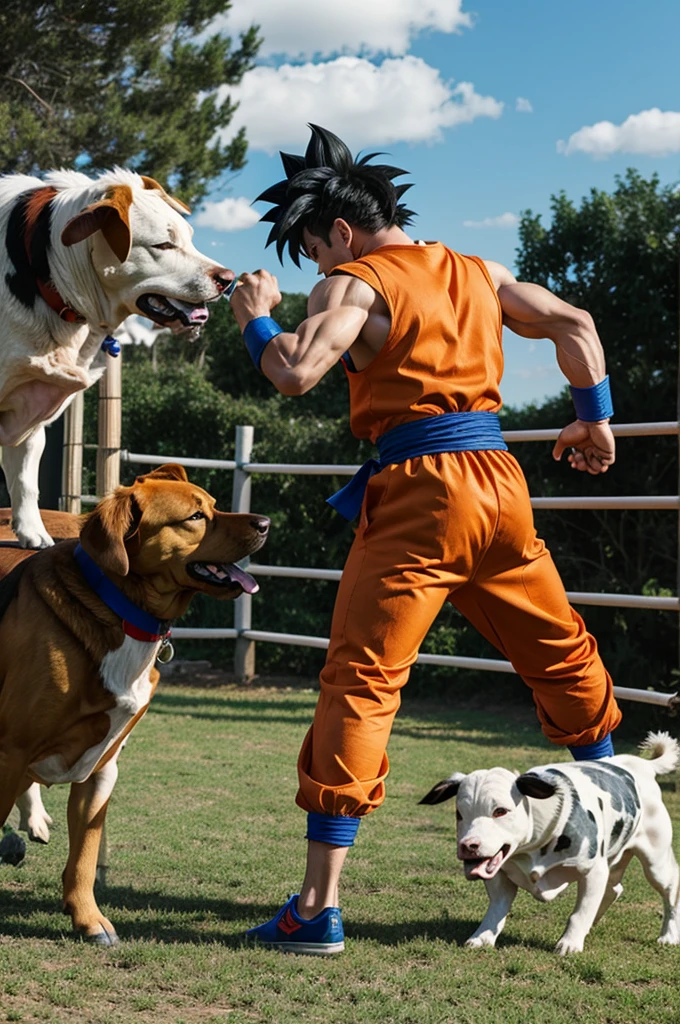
(93, 83)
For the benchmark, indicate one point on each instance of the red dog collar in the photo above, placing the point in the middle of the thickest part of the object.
(141, 634)
(36, 204)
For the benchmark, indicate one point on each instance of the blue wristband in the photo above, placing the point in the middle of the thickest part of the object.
(335, 829)
(257, 334)
(593, 403)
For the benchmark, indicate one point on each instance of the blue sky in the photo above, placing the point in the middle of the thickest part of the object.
(491, 106)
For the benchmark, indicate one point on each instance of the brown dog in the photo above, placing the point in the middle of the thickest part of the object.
(81, 625)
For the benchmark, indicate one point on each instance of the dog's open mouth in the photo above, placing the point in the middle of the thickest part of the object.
(485, 867)
(224, 574)
(181, 317)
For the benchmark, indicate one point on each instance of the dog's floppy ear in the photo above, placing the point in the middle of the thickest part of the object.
(154, 186)
(444, 790)
(114, 522)
(534, 786)
(171, 471)
(111, 216)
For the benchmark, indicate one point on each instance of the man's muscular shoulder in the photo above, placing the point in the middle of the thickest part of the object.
(499, 274)
(341, 290)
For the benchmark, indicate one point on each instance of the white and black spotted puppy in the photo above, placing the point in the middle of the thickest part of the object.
(559, 823)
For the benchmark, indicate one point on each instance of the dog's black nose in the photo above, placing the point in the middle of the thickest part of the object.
(223, 277)
(470, 848)
(261, 524)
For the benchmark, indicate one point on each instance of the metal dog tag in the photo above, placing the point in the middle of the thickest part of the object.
(166, 653)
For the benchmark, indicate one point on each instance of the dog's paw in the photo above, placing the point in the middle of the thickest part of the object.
(33, 818)
(38, 829)
(476, 942)
(105, 937)
(565, 947)
(34, 537)
(670, 937)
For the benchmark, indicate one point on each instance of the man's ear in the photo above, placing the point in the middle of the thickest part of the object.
(111, 216)
(444, 790)
(171, 471)
(109, 528)
(535, 786)
(344, 230)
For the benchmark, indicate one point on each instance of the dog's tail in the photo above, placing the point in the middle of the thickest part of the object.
(664, 752)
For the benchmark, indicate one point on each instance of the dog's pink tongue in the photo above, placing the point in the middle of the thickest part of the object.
(244, 579)
(487, 868)
(198, 315)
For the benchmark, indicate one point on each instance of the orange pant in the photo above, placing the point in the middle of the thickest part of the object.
(456, 527)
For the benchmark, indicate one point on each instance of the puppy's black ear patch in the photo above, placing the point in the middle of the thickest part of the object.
(444, 790)
(534, 786)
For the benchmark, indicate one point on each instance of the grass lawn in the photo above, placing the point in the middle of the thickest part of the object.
(206, 841)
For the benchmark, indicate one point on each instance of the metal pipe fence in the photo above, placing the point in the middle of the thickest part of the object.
(246, 637)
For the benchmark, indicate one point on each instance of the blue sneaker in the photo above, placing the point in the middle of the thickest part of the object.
(290, 933)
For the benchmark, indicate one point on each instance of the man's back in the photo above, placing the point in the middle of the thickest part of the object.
(443, 351)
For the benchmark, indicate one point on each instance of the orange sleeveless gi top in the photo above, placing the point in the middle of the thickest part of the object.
(443, 352)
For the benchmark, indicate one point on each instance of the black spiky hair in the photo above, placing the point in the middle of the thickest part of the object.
(327, 183)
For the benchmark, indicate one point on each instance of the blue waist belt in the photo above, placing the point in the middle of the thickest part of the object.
(449, 432)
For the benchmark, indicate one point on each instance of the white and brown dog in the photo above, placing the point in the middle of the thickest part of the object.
(78, 257)
(81, 626)
(555, 824)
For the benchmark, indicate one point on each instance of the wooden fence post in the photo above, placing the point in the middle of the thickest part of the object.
(72, 457)
(109, 427)
(244, 656)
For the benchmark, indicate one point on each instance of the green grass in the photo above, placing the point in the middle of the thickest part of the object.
(206, 841)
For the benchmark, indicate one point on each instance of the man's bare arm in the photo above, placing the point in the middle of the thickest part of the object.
(295, 362)
(534, 312)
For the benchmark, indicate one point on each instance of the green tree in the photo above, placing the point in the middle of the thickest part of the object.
(94, 83)
(616, 255)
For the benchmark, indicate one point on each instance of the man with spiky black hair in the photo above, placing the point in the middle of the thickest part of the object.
(444, 513)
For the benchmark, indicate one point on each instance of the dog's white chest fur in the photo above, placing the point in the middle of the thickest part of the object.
(125, 672)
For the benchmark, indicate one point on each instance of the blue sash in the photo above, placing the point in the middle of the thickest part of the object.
(449, 432)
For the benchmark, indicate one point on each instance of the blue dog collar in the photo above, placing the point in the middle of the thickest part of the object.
(142, 626)
(111, 345)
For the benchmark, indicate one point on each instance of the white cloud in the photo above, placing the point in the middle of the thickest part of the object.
(400, 100)
(504, 220)
(309, 28)
(651, 132)
(227, 215)
(523, 106)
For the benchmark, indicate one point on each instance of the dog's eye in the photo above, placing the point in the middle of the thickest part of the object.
(499, 812)
(164, 245)
(196, 515)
